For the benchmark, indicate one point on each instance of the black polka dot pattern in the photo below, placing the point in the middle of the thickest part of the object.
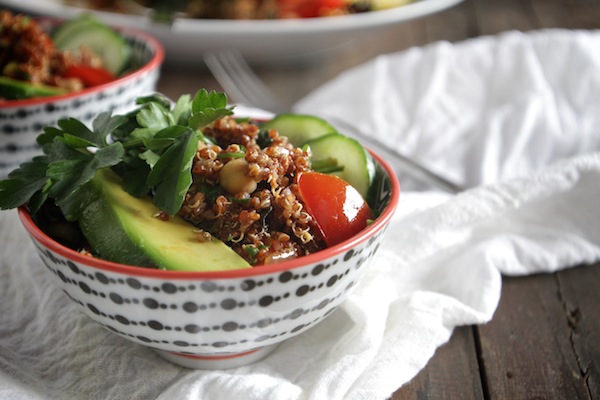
(216, 316)
(20, 125)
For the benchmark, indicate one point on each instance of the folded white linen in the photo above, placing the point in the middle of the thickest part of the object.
(532, 209)
(477, 112)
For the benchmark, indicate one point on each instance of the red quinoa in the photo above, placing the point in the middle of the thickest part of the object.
(259, 214)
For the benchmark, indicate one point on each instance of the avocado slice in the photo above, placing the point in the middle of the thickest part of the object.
(12, 89)
(124, 229)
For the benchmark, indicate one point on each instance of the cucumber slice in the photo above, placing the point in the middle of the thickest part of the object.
(12, 89)
(66, 29)
(299, 128)
(359, 167)
(327, 143)
(109, 45)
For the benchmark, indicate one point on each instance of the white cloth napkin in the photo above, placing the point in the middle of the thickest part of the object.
(481, 111)
(515, 116)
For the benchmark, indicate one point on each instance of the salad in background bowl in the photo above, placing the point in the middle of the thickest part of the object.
(239, 9)
(206, 237)
(52, 69)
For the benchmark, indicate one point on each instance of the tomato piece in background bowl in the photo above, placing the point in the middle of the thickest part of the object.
(89, 76)
(310, 8)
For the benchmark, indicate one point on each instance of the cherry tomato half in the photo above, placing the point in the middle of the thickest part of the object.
(89, 76)
(339, 209)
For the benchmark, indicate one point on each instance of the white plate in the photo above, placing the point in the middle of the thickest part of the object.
(258, 40)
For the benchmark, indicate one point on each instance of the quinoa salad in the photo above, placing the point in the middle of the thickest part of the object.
(243, 193)
(233, 9)
(28, 54)
(174, 185)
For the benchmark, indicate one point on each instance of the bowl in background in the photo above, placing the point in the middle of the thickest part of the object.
(21, 121)
(225, 319)
(265, 42)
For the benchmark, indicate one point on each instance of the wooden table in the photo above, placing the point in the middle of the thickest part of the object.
(544, 340)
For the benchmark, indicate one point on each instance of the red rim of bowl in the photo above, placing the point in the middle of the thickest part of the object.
(155, 62)
(341, 248)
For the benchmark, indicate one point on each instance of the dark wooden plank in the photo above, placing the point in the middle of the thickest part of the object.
(454, 24)
(494, 16)
(527, 349)
(579, 290)
(570, 14)
(499, 16)
(177, 80)
(452, 373)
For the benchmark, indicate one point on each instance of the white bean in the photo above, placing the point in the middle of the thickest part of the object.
(234, 177)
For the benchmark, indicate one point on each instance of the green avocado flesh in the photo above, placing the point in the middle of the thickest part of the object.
(125, 229)
(13, 89)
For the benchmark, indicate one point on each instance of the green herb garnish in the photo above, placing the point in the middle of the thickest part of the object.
(151, 148)
(264, 140)
(252, 251)
(326, 165)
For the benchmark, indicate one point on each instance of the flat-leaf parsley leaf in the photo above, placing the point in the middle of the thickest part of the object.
(151, 148)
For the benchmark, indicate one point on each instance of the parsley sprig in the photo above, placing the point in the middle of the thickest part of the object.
(151, 148)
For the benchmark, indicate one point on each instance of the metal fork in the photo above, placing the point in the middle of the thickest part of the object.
(243, 86)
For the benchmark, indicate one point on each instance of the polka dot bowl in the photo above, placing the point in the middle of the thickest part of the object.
(214, 320)
(21, 121)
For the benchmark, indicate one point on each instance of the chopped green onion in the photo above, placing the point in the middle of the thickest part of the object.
(251, 250)
(237, 154)
(325, 162)
(326, 166)
(329, 170)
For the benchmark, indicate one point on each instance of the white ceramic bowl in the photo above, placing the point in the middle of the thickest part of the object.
(217, 319)
(21, 121)
(260, 41)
